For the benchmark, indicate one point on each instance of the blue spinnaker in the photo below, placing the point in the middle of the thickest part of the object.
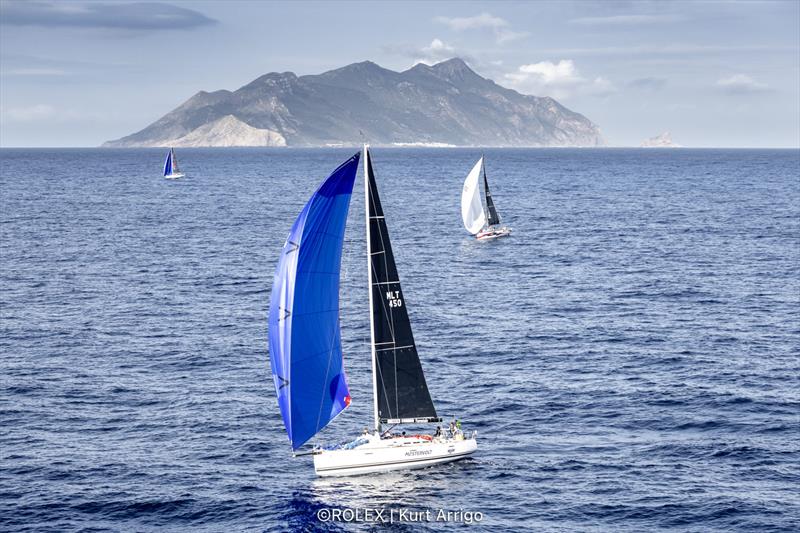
(168, 164)
(304, 338)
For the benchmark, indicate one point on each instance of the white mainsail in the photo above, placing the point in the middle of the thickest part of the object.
(175, 169)
(471, 206)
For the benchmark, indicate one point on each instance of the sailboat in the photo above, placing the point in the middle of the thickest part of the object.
(171, 170)
(480, 219)
(306, 349)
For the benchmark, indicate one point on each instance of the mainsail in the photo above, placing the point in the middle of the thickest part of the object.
(491, 213)
(401, 393)
(175, 168)
(304, 335)
(471, 206)
(168, 163)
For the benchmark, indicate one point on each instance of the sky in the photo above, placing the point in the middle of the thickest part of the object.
(712, 73)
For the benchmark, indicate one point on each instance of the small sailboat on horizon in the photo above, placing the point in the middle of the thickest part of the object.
(480, 219)
(171, 170)
(306, 350)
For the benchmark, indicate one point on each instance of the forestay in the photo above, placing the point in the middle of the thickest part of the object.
(304, 335)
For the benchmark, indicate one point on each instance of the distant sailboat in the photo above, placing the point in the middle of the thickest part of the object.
(480, 219)
(305, 341)
(171, 170)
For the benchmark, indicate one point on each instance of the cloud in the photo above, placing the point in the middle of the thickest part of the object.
(34, 72)
(648, 84)
(437, 51)
(740, 84)
(563, 72)
(560, 80)
(432, 53)
(130, 16)
(30, 114)
(669, 50)
(484, 20)
(27, 66)
(625, 20)
(499, 26)
(50, 114)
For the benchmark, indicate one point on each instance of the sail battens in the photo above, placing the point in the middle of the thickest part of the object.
(395, 348)
(304, 330)
(399, 382)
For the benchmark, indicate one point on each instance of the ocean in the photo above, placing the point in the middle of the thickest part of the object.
(629, 356)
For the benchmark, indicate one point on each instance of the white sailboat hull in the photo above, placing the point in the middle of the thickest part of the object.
(385, 455)
(493, 233)
(175, 176)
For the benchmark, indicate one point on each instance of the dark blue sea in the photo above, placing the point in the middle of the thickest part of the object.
(630, 356)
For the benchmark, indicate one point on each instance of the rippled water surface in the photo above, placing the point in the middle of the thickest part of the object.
(629, 356)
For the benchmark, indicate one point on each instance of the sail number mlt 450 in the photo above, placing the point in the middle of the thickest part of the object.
(393, 297)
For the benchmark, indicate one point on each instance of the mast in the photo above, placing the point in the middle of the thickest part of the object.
(376, 416)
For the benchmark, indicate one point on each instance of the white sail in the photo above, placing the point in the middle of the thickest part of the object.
(175, 169)
(471, 206)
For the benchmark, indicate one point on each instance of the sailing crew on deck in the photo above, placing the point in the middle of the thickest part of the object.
(438, 431)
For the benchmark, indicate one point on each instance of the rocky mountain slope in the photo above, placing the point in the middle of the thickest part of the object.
(447, 103)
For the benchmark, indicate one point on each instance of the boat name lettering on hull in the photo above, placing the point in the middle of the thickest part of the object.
(415, 453)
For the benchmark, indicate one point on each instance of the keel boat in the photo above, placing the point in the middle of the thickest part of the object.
(480, 219)
(171, 170)
(305, 341)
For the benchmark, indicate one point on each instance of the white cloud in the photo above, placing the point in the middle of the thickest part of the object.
(437, 51)
(499, 26)
(484, 20)
(559, 80)
(505, 35)
(600, 86)
(681, 50)
(35, 72)
(439, 47)
(50, 114)
(624, 20)
(741, 83)
(563, 72)
(30, 113)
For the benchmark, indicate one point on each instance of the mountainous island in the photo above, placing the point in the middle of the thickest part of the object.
(444, 104)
